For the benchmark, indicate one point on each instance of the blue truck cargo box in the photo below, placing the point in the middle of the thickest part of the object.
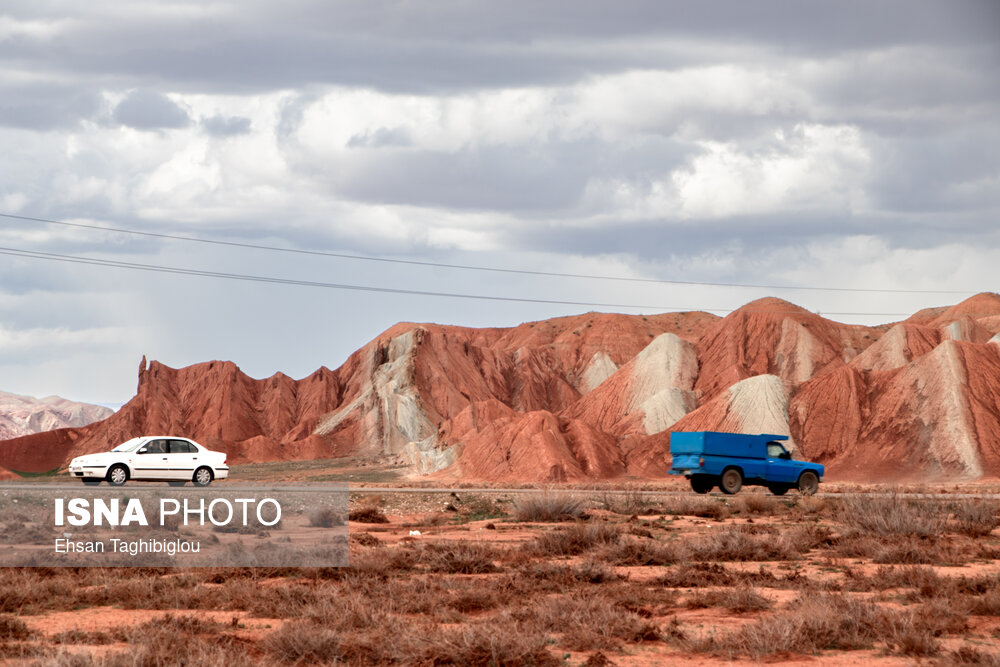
(721, 444)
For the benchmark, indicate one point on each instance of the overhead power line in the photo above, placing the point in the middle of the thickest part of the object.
(74, 259)
(468, 267)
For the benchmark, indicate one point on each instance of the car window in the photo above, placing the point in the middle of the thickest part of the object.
(774, 450)
(181, 447)
(156, 447)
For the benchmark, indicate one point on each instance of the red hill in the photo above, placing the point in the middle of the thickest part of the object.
(595, 396)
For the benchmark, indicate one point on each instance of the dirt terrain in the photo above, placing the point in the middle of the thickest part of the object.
(562, 577)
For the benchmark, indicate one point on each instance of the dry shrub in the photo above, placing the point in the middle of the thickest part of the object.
(539, 577)
(367, 514)
(548, 507)
(987, 604)
(942, 616)
(707, 508)
(925, 580)
(630, 551)
(365, 539)
(90, 638)
(742, 543)
(19, 651)
(301, 643)
(812, 624)
(592, 571)
(382, 562)
(628, 502)
(697, 575)
(811, 506)
(757, 503)
(907, 635)
(977, 517)
(476, 507)
(179, 640)
(890, 515)
(897, 549)
(13, 628)
(574, 539)
(739, 600)
(460, 558)
(967, 656)
(589, 622)
(485, 645)
(324, 517)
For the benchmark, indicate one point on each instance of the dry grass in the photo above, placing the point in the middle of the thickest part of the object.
(325, 517)
(367, 514)
(12, 628)
(891, 515)
(740, 600)
(743, 543)
(533, 594)
(575, 539)
(814, 623)
(548, 507)
(631, 551)
(967, 656)
(977, 517)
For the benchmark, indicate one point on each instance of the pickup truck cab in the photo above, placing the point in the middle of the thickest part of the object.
(730, 460)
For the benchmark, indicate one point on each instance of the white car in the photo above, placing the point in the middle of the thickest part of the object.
(156, 458)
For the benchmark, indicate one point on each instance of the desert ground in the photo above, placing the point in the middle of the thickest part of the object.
(625, 574)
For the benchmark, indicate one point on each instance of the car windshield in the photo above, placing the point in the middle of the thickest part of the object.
(128, 445)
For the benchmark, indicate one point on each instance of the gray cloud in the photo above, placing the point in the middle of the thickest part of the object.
(820, 142)
(457, 45)
(150, 110)
(221, 126)
(37, 106)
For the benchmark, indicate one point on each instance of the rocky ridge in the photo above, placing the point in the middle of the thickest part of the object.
(594, 396)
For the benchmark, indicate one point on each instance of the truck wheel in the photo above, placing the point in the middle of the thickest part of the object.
(702, 483)
(808, 483)
(778, 489)
(732, 481)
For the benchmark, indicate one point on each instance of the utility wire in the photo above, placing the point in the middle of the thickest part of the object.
(73, 259)
(15, 252)
(468, 267)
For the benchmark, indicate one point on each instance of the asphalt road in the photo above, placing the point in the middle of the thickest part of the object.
(228, 488)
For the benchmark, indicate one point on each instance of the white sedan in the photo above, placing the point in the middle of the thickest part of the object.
(155, 458)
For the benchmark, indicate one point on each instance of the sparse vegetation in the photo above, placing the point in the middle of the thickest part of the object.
(765, 578)
(890, 515)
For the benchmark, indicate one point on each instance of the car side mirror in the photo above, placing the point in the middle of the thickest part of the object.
(786, 456)
(143, 450)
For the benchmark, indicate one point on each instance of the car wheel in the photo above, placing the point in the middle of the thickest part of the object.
(202, 477)
(702, 483)
(778, 489)
(732, 481)
(92, 481)
(118, 475)
(176, 483)
(808, 483)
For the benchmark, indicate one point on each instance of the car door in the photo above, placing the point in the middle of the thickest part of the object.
(183, 459)
(780, 467)
(151, 461)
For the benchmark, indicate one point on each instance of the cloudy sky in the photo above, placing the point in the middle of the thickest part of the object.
(850, 145)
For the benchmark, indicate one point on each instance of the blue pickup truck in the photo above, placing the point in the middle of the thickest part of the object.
(731, 460)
